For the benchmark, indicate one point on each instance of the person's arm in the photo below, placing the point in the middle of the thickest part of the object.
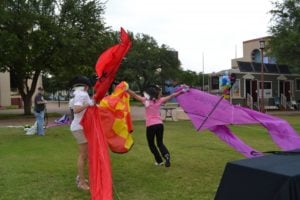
(81, 102)
(40, 100)
(175, 94)
(78, 109)
(135, 95)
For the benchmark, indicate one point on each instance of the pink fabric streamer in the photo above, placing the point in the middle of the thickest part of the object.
(198, 106)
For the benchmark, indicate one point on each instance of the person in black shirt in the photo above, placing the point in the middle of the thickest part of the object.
(39, 111)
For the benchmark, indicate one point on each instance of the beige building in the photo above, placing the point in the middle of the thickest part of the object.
(9, 94)
(5, 98)
(251, 52)
(281, 87)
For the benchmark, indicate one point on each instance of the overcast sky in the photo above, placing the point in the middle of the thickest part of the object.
(213, 28)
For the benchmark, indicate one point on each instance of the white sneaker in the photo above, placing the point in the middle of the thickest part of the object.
(159, 164)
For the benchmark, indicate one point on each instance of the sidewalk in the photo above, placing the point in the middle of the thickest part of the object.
(52, 107)
(137, 112)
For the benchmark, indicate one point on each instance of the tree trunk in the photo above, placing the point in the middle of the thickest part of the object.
(27, 104)
(26, 91)
(140, 88)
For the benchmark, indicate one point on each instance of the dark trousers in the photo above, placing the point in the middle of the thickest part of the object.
(157, 131)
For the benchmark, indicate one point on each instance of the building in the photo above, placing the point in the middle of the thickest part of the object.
(9, 94)
(5, 97)
(281, 87)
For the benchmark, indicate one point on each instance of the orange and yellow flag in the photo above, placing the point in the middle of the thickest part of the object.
(116, 119)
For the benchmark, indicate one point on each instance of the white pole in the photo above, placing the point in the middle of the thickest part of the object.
(202, 71)
(235, 51)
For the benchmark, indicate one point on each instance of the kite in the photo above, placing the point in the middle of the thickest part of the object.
(212, 112)
(98, 155)
(116, 119)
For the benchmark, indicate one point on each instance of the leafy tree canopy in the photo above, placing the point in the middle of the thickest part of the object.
(285, 30)
(148, 63)
(59, 37)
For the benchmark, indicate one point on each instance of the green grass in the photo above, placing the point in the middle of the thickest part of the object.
(34, 167)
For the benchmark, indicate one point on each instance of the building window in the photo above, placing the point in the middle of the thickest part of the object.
(267, 89)
(255, 56)
(236, 89)
(267, 85)
(214, 82)
(297, 84)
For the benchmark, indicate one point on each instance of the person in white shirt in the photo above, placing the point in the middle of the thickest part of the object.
(78, 104)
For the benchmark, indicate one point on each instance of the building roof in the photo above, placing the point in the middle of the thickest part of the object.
(257, 39)
(268, 68)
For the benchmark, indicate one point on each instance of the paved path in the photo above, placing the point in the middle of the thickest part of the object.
(63, 108)
(137, 113)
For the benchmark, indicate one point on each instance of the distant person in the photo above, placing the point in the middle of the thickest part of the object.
(39, 111)
(78, 104)
(174, 87)
(154, 123)
(71, 102)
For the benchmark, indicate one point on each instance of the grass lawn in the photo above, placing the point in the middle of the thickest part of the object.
(33, 167)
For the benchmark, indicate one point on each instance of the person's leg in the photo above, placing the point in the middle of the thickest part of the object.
(40, 122)
(81, 163)
(150, 138)
(162, 148)
(81, 160)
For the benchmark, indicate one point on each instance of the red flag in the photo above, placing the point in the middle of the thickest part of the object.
(98, 155)
(108, 65)
(99, 162)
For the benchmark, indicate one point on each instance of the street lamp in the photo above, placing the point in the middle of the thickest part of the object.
(262, 46)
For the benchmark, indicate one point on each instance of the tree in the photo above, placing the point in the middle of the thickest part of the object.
(285, 42)
(192, 78)
(49, 36)
(148, 63)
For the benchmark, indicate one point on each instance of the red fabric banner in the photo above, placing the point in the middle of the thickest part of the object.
(108, 65)
(99, 162)
(98, 155)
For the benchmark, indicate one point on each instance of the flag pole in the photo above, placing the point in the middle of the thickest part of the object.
(202, 71)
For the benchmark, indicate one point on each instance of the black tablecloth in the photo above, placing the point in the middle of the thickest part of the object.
(271, 177)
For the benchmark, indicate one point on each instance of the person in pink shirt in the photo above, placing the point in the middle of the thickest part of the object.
(152, 101)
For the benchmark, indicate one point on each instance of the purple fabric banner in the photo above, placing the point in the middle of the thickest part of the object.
(198, 106)
(224, 133)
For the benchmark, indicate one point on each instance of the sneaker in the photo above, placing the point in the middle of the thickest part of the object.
(167, 163)
(159, 164)
(83, 186)
(77, 180)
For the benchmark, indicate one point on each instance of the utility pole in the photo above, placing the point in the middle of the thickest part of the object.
(202, 71)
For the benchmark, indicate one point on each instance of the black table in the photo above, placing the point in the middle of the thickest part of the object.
(271, 177)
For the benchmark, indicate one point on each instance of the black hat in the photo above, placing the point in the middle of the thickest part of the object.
(80, 81)
(153, 91)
